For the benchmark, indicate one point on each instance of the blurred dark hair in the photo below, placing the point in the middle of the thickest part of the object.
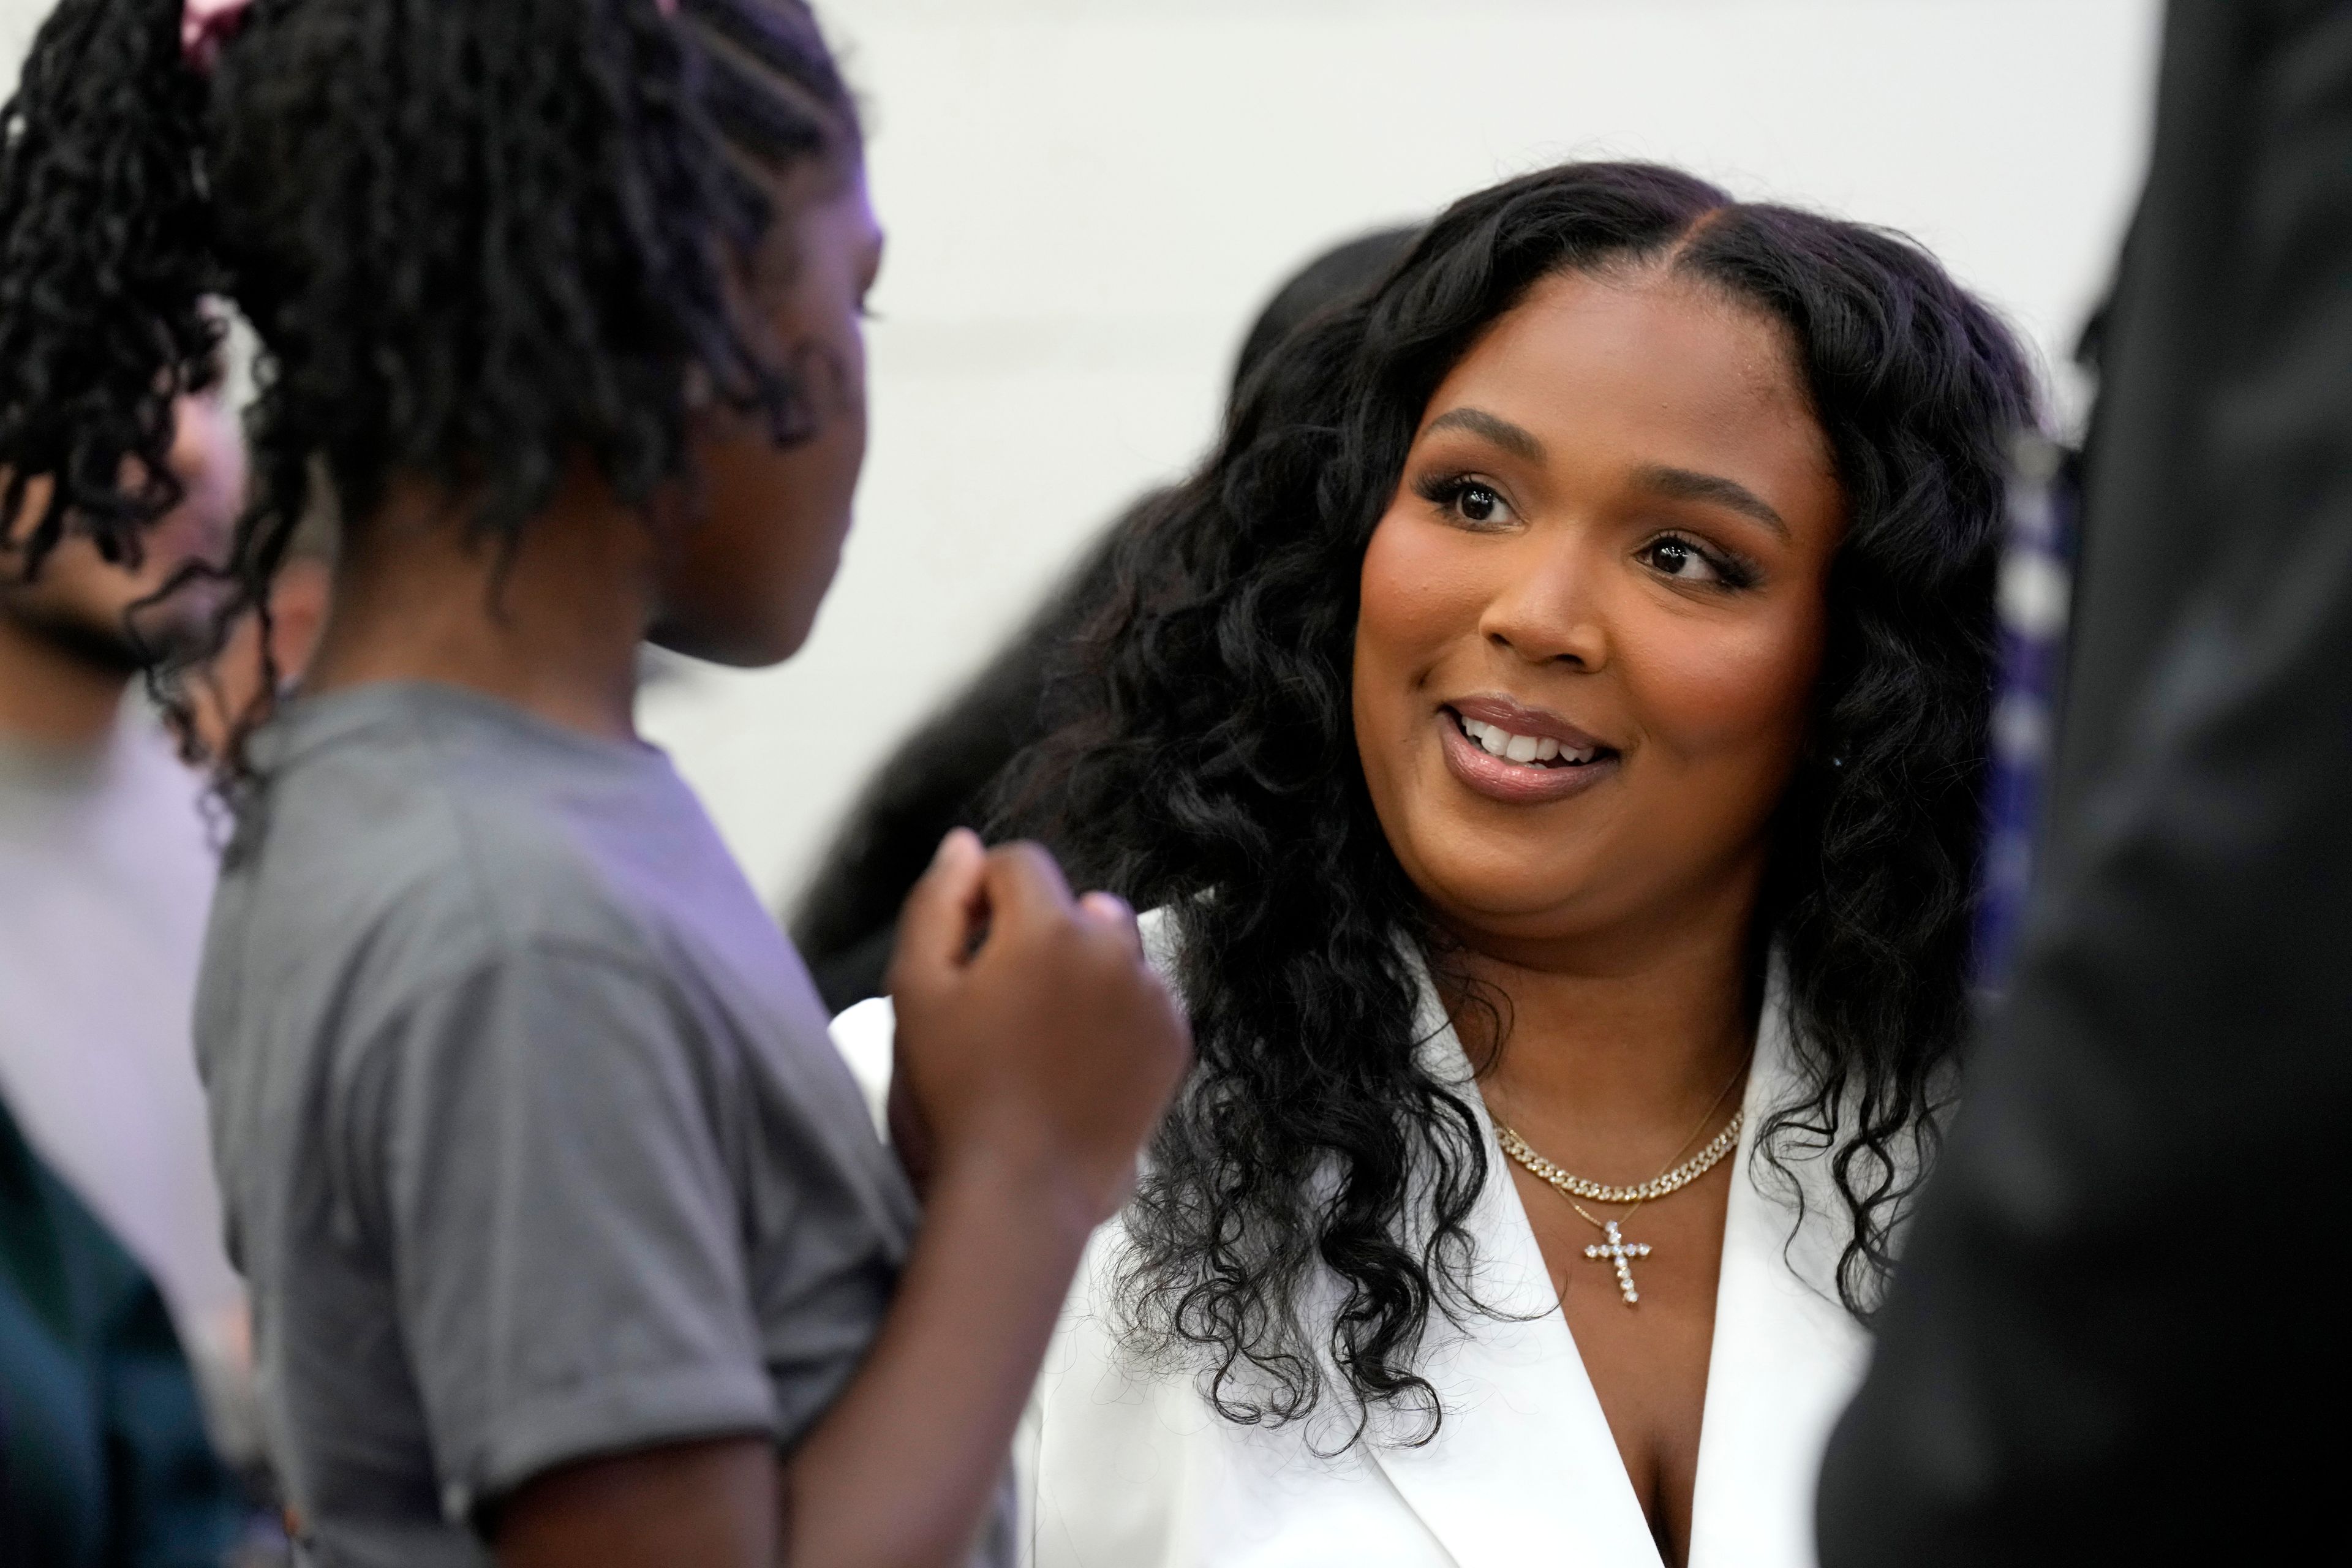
(476, 240)
(1335, 277)
(1208, 765)
(941, 776)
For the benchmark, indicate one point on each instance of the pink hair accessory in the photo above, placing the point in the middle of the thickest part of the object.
(206, 25)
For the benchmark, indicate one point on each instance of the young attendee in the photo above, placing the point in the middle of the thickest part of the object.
(1552, 727)
(106, 861)
(941, 776)
(570, 1240)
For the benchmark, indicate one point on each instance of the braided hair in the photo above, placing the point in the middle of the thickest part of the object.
(474, 240)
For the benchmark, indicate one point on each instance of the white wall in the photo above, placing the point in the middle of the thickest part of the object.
(1088, 199)
(18, 20)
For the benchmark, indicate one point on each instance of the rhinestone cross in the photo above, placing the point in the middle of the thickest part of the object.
(1618, 1250)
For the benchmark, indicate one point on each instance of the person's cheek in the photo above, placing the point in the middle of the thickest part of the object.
(1388, 634)
(1395, 628)
(1723, 694)
(1421, 590)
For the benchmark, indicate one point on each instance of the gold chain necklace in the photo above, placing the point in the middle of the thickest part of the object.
(1613, 1248)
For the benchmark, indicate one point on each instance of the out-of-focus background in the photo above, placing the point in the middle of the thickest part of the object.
(1088, 199)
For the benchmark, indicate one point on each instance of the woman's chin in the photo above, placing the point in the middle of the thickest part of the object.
(1508, 890)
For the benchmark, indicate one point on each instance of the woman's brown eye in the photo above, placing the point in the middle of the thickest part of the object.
(1479, 504)
(1674, 558)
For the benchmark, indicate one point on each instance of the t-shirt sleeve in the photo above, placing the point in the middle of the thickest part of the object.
(537, 1144)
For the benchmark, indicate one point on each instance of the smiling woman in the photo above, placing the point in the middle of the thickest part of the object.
(1551, 725)
(1585, 560)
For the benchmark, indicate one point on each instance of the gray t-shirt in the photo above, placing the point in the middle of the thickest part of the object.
(533, 1143)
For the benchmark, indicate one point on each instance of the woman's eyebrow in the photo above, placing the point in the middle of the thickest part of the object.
(1512, 438)
(1686, 484)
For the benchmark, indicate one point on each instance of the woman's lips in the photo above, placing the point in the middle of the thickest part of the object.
(1515, 784)
(1493, 708)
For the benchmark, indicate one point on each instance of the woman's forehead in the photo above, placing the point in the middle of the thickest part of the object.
(1648, 361)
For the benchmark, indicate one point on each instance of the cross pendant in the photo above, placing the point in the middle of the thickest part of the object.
(1618, 1251)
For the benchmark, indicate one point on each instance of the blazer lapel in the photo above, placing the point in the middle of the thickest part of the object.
(1787, 1355)
(1525, 1454)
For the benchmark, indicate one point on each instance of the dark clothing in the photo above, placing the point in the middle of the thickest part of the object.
(103, 1458)
(534, 1146)
(2117, 1332)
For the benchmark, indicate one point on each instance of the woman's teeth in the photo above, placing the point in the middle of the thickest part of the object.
(1535, 749)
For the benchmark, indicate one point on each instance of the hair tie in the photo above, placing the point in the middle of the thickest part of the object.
(205, 26)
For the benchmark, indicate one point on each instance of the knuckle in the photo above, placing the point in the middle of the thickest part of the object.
(1021, 856)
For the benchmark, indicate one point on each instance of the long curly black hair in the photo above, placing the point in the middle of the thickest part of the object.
(474, 239)
(1207, 749)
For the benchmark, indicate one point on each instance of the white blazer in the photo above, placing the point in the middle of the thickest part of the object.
(1123, 1465)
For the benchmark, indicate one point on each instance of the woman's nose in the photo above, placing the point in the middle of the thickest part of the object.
(1547, 607)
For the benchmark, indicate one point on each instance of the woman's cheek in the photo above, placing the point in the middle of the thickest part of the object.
(1418, 588)
(1705, 692)
(1404, 618)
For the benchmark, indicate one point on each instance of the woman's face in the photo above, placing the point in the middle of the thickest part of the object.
(1593, 613)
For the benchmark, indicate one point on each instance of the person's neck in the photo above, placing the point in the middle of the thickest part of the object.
(552, 627)
(49, 697)
(1615, 1043)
